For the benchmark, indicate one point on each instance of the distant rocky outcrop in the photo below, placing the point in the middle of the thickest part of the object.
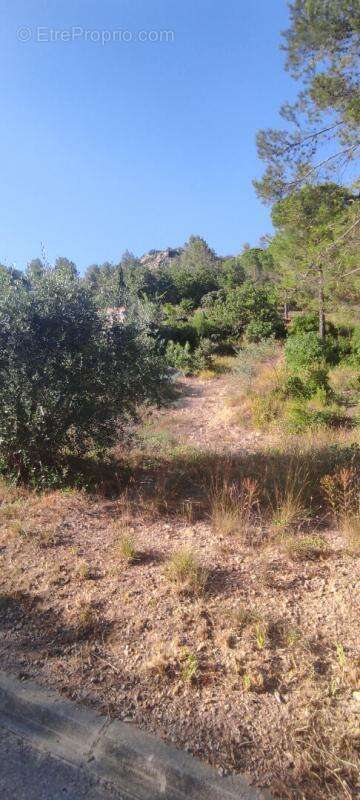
(156, 259)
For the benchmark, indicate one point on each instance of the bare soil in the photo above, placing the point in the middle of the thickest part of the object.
(259, 674)
(202, 418)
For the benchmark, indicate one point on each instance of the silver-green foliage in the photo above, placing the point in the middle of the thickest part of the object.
(69, 378)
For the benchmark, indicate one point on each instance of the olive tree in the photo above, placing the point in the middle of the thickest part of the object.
(69, 378)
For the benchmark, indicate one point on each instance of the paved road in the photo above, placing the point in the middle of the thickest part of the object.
(28, 774)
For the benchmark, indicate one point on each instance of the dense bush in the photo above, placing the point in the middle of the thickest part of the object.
(303, 351)
(337, 342)
(68, 378)
(306, 357)
(304, 323)
(258, 330)
(293, 386)
(180, 332)
(246, 307)
(176, 323)
(188, 361)
(204, 353)
(300, 417)
(232, 273)
(355, 345)
(180, 357)
(309, 357)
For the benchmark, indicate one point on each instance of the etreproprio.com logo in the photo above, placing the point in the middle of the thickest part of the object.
(94, 35)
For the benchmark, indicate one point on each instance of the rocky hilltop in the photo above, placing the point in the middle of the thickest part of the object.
(156, 259)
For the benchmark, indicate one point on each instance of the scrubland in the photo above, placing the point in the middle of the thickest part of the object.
(204, 581)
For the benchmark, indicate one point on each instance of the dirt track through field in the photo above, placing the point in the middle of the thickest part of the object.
(203, 418)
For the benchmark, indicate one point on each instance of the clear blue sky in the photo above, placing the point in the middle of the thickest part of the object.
(135, 144)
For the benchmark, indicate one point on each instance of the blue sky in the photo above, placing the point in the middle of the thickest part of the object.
(135, 144)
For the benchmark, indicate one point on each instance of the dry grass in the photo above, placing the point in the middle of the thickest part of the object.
(233, 505)
(252, 392)
(325, 757)
(283, 633)
(306, 548)
(246, 648)
(246, 616)
(186, 573)
(11, 510)
(83, 571)
(20, 529)
(344, 379)
(9, 492)
(342, 494)
(221, 365)
(350, 528)
(289, 513)
(125, 549)
(288, 509)
(341, 491)
(161, 663)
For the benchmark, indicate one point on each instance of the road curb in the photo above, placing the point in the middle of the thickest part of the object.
(141, 766)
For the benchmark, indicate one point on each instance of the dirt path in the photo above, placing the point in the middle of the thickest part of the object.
(202, 417)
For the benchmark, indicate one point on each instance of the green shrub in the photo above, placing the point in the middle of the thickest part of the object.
(306, 358)
(318, 380)
(337, 343)
(338, 348)
(188, 361)
(233, 311)
(299, 417)
(180, 332)
(320, 397)
(304, 323)
(316, 383)
(68, 377)
(304, 351)
(294, 387)
(203, 355)
(180, 357)
(355, 345)
(258, 330)
(306, 548)
(201, 324)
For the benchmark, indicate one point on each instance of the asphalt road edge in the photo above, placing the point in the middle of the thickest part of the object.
(141, 766)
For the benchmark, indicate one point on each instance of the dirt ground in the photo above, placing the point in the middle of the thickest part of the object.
(202, 419)
(258, 672)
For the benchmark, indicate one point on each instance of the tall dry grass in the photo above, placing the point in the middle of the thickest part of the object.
(233, 504)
